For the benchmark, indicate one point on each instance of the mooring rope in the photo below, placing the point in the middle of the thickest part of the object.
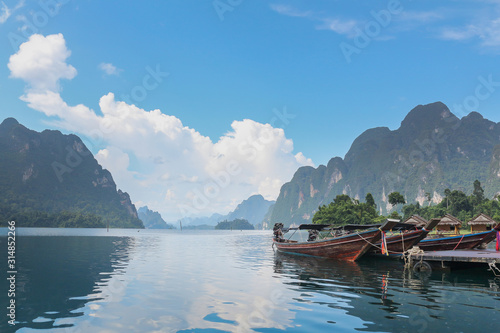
(494, 268)
(459, 242)
(407, 256)
(374, 245)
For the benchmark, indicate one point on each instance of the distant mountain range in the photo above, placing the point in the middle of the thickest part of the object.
(253, 209)
(152, 219)
(49, 178)
(432, 150)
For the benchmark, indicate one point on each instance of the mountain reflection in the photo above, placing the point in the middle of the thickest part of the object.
(57, 276)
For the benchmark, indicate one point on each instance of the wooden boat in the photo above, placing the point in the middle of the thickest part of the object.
(350, 246)
(408, 236)
(459, 242)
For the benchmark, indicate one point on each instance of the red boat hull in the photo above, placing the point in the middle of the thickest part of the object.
(346, 247)
(398, 244)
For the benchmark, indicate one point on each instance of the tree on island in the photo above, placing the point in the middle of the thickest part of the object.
(236, 224)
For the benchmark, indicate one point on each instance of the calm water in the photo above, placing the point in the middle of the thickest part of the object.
(213, 281)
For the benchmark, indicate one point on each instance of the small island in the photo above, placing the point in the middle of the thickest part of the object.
(239, 224)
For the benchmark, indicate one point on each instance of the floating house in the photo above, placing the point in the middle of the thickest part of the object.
(449, 223)
(417, 220)
(481, 222)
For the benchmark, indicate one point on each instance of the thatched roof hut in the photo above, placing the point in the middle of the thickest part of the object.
(417, 220)
(449, 223)
(481, 222)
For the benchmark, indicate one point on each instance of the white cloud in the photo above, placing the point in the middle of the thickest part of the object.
(109, 69)
(170, 195)
(41, 62)
(6, 12)
(337, 25)
(419, 16)
(176, 170)
(459, 34)
(342, 27)
(289, 11)
(488, 32)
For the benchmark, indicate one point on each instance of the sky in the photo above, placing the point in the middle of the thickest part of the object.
(194, 106)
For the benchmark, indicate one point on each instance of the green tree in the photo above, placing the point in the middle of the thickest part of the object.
(428, 197)
(396, 198)
(477, 193)
(458, 204)
(344, 210)
(236, 224)
(370, 201)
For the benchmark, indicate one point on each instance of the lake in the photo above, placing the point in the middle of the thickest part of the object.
(90, 280)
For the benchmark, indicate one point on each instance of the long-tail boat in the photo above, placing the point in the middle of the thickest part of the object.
(405, 237)
(352, 244)
(459, 242)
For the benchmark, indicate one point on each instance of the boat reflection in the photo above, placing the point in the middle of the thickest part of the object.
(381, 293)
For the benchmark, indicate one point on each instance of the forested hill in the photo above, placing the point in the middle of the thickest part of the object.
(49, 179)
(431, 151)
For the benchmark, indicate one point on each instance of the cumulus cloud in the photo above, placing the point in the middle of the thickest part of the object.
(109, 69)
(175, 170)
(41, 62)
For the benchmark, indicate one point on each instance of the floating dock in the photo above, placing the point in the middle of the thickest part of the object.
(448, 260)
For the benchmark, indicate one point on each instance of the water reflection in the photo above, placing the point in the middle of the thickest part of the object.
(233, 282)
(57, 276)
(381, 296)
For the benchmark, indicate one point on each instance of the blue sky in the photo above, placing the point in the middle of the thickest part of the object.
(251, 89)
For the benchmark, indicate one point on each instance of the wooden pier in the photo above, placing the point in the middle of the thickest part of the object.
(448, 260)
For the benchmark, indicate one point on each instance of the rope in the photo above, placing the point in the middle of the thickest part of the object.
(374, 245)
(494, 268)
(459, 242)
(414, 251)
(292, 234)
